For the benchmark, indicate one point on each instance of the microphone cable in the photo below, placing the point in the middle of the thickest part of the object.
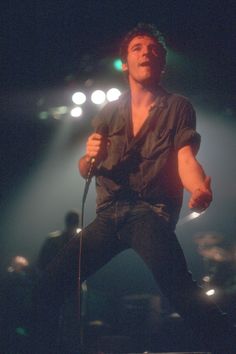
(102, 130)
(79, 282)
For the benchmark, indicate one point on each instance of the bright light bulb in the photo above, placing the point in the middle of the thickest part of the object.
(117, 64)
(210, 292)
(98, 97)
(206, 279)
(113, 94)
(76, 112)
(78, 98)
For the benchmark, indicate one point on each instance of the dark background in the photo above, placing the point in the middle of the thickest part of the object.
(51, 48)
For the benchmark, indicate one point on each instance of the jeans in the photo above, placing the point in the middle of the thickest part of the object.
(137, 225)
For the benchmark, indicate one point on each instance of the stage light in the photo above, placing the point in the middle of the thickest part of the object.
(113, 94)
(57, 112)
(206, 279)
(210, 292)
(62, 110)
(76, 112)
(98, 97)
(18, 264)
(117, 63)
(43, 115)
(79, 98)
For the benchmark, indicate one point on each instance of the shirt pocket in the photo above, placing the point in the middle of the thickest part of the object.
(157, 144)
(115, 148)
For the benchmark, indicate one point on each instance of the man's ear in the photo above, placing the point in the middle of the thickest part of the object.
(124, 67)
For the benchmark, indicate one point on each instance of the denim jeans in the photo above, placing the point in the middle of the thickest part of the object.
(137, 225)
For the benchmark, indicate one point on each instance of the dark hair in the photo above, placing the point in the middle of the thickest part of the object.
(72, 218)
(143, 29)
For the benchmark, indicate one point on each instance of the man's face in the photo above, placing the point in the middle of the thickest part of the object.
(144, 58)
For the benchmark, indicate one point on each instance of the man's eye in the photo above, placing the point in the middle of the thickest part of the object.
(156, 51)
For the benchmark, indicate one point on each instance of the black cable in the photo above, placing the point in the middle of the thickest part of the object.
(79, 284)
(103, 131)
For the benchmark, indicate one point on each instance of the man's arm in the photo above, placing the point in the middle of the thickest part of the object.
(194, 179)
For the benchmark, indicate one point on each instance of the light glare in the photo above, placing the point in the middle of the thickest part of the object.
(194, 215)
(62, 109)
(98, 97)
(43, 115)
(113, 94)
(117, 64)
(79, 98)
(210, 292)
(76, 112)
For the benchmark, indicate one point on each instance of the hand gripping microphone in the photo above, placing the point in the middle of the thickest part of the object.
(103, 131)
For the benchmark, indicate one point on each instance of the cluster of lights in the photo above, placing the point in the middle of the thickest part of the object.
(97, 97)
(210, 291)
(79, 98)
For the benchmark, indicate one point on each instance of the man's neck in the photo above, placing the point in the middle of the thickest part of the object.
(142, 96)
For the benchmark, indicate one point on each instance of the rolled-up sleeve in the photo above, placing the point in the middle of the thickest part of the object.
(186, 133)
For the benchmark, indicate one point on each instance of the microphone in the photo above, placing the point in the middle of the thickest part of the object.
(103, 131)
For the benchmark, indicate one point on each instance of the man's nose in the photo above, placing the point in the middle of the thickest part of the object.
(146, 51)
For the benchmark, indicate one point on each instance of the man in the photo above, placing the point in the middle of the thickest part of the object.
(16, 305)
(57, 240)
(142, 154)
(61, 322)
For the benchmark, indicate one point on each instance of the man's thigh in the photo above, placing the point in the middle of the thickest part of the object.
(95, 245)
(100, 243)
(150, 236)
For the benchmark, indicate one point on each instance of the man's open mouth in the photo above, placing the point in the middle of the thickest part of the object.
(145, 63)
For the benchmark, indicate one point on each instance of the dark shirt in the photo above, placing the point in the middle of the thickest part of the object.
(145, 166)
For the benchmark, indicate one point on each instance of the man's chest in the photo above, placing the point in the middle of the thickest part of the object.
(138, 118)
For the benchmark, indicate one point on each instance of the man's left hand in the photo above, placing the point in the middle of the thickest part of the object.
(202, 196)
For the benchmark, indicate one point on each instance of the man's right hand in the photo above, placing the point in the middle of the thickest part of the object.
(95, 147)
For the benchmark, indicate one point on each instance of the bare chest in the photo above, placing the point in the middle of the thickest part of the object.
(138, 119)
